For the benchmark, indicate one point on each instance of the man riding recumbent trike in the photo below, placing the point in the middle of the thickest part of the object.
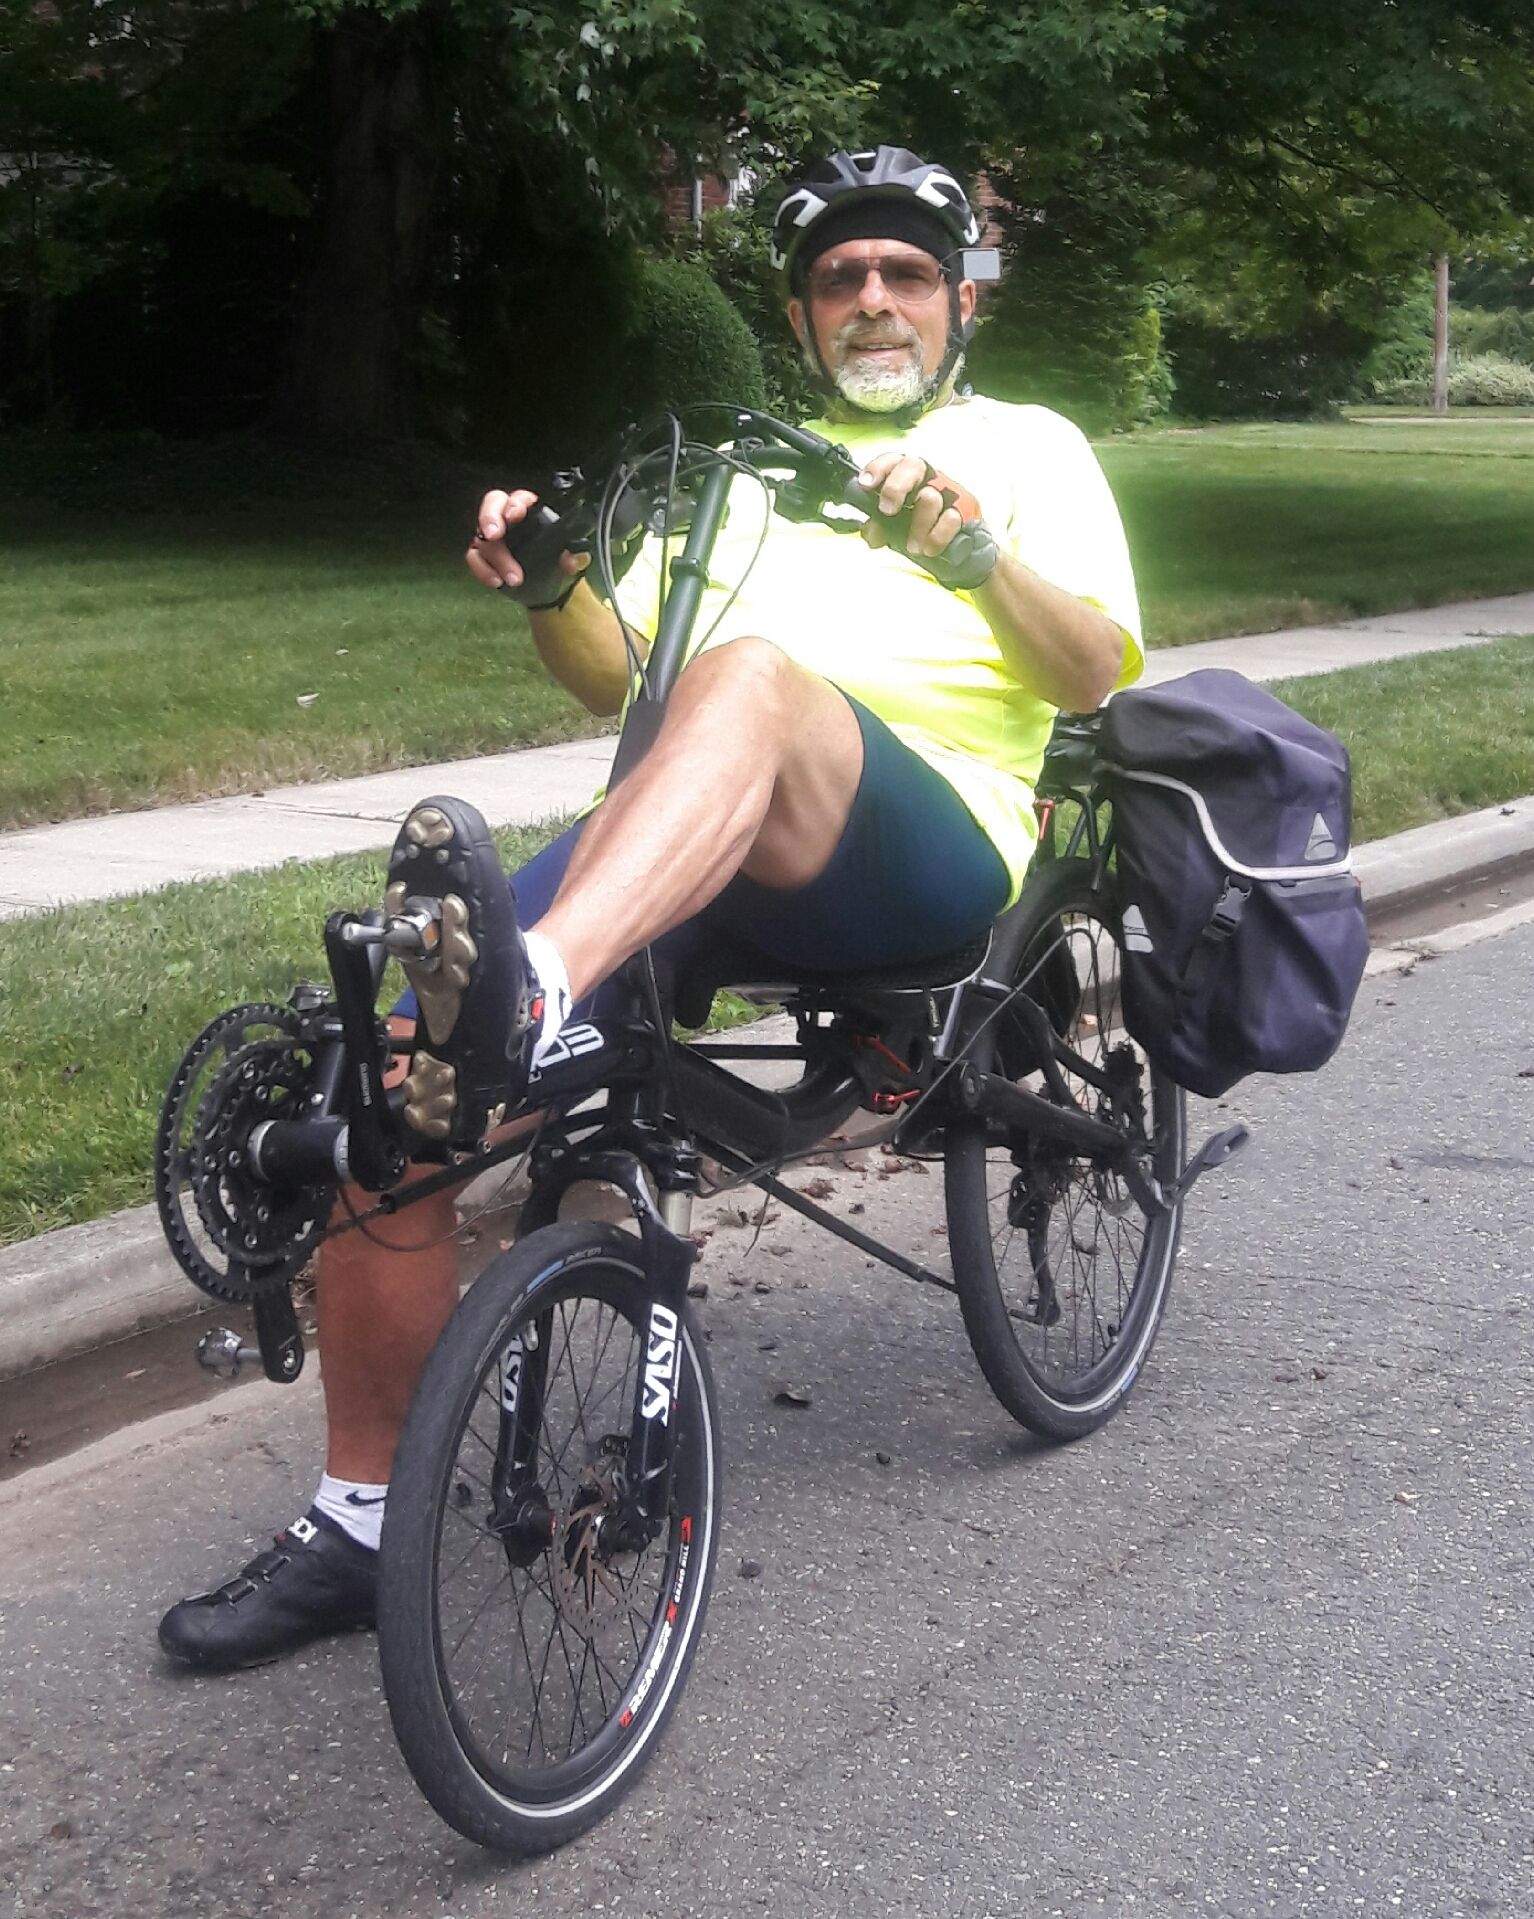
(825, 787)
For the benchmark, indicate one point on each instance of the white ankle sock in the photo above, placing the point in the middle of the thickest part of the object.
(355, 1506)
(553, 980)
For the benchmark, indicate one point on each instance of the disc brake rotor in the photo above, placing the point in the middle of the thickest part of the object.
(587, 1581)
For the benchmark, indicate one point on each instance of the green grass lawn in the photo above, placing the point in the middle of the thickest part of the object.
(114, 991)
(232, 627)
(1244, 529)
(1430, 737)
(164, 609)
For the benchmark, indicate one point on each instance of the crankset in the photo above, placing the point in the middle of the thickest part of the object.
(237, 1237)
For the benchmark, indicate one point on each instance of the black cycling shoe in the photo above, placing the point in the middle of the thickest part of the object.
(315, 1580)
(472, 988)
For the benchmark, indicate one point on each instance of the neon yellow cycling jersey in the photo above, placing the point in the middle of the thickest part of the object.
(877, 626)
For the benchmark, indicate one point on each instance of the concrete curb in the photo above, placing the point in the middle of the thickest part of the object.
(85, 1286)
(81, 1287)
(1397, 871)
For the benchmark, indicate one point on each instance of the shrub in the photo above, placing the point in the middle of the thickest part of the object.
(1402, 356)
(1069, 330)
(1490, 379)
(684, 343)
(733, 252)
(1501, 330)
(1475, 379)
(628, 336)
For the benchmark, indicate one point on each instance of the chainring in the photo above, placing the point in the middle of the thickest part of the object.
(180, 1174)
(259, 1225)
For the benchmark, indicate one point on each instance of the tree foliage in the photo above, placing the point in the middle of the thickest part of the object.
(379, 215)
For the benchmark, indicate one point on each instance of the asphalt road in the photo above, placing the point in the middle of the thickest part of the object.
(1263, 1646)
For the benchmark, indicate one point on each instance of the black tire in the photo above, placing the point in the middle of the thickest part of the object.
(523, 1724)
(1062, 1279)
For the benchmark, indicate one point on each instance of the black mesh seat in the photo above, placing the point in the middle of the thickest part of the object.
(740, 967)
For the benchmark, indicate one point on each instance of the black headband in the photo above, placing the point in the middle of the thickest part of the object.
(868, 216)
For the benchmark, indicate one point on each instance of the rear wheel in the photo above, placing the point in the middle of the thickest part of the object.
(1062, 1277)
(532, 1647)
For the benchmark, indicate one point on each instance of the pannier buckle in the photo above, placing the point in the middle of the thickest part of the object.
(1227, 914)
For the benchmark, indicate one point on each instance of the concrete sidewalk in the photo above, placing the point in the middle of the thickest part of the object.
(122, 853)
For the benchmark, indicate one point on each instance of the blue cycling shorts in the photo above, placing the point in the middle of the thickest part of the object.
(912, 876)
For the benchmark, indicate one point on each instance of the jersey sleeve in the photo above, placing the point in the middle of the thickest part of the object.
(1065, 526)
(638, 596)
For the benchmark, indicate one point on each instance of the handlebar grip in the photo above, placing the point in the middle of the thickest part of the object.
(536, 543)
(965, 563)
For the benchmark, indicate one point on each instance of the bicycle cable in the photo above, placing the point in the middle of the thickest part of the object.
(358, 1222)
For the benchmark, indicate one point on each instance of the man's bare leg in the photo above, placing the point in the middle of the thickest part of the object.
(379, 1316)
(754, 770)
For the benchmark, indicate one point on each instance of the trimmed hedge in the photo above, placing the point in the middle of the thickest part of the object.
(685, 343)
(1475, 379)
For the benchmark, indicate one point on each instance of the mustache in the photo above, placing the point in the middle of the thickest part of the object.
(854, 334)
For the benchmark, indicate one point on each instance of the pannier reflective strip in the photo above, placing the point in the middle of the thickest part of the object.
(1217, 846)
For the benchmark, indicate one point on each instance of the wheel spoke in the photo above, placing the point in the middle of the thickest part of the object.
(1049, 1223)
(534, 1640)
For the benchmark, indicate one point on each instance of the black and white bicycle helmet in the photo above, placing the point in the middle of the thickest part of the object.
(887, 193)
(891, 178)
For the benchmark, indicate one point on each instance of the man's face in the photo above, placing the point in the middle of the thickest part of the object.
(878, 312)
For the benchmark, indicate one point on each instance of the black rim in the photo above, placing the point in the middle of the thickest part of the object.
(552, 1659)
(1078, 1265)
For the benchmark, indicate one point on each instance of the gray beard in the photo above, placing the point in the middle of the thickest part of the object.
(881, 389)
(929, 396)
(878, 391)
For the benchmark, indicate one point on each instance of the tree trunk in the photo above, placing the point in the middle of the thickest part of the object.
(1441, 334)
(347, 369)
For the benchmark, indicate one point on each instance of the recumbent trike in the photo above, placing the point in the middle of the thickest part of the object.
(553, 1516)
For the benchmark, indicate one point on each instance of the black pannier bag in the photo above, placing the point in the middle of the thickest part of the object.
(1244, 931)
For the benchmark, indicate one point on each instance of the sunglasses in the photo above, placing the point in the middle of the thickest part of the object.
(909, 278)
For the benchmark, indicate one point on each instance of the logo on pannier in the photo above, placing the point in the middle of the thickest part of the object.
(1136, 935)
(1320, 845)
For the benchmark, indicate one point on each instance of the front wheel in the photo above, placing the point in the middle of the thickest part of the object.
(533, 1647)
(1062, 1278)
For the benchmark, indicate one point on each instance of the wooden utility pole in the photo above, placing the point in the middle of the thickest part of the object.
(1441, 335)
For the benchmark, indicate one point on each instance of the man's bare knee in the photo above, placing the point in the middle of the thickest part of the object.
(761, 663)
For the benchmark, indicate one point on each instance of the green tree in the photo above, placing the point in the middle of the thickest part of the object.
(388, 197)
